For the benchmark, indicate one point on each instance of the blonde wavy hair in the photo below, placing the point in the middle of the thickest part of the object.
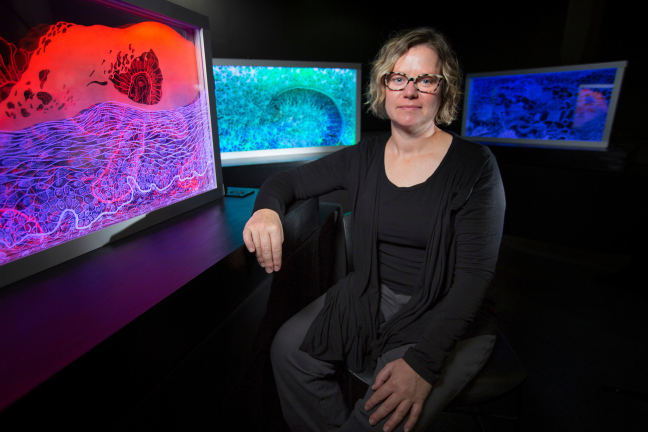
(394, 49)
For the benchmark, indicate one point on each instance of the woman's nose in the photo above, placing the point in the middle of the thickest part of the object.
(410, 89)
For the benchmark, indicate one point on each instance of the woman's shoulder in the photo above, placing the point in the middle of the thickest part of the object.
(373, 141)
(470, 149)
(367, 148)
(362, 154)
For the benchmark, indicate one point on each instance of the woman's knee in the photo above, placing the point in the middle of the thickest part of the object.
(290, 336)
(286, 344)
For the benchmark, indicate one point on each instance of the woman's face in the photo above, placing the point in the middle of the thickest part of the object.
(410, 109)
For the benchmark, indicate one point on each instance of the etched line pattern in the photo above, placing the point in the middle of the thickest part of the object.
(545, 106)
(63, 179)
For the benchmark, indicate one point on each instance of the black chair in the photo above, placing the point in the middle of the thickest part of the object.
(501, 375)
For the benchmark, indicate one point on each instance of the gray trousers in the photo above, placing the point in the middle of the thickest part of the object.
(310, 395)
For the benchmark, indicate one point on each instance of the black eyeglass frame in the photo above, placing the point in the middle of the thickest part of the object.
(413, 79)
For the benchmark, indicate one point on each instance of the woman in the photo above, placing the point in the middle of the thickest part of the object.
(428, 210)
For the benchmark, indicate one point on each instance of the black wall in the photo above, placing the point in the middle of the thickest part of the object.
(573, 199)
(488, 36)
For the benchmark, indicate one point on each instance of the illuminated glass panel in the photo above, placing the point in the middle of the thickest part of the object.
(266, 108)
(102, 121)
(570, 105)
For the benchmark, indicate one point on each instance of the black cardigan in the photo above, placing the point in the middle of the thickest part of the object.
(448, 302)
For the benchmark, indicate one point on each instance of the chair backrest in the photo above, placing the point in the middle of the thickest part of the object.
(348, 218)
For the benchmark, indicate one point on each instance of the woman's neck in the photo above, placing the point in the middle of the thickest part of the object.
(405, 142)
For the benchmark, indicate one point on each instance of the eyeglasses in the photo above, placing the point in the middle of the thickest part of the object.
(425, 83)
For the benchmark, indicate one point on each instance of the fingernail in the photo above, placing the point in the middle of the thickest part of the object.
(372, 422)
(268, 270)
(407, 429)
(366, 407)
(386, 429)
(276, 268)
(261, 264)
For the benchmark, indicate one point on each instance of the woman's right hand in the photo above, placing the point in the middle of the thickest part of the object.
(263, 234)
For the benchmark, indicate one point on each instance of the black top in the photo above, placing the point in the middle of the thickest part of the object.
(403, 230)
(460, 256)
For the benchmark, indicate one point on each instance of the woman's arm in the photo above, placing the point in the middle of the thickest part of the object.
(263, 233)
(478, 230)
(402, 390)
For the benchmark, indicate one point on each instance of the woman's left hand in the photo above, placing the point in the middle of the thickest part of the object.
(402, 391)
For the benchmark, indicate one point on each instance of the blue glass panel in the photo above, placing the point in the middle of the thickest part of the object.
(544, 106)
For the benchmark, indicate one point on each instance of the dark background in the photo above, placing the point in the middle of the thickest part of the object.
(585, 199)
(569, 278)
(581, 199)
(576, 319)
(487, 36)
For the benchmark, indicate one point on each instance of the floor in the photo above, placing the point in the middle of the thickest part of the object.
(577, 321)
